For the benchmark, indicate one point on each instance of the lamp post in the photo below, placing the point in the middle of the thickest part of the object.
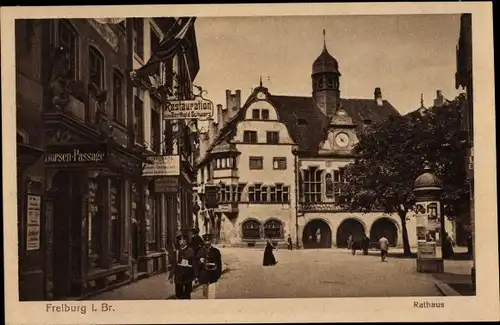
(295, 152)
(430, 223)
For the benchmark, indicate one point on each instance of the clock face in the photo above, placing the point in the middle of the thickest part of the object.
(261, 95)
(342, 140)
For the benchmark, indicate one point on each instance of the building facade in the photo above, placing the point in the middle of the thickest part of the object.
(88, 218)
(291, 149)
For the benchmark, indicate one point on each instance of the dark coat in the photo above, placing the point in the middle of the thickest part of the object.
(202, 271)
(182, 261)
(269, 258)
(196, 243)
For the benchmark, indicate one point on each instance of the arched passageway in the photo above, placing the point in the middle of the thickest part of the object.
(317, 234)
(347, 228)
(384, 227)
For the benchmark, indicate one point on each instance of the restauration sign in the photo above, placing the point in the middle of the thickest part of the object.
(200, 109)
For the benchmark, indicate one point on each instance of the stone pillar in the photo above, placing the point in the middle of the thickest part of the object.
(430, 225)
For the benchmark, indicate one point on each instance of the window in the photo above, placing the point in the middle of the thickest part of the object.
(256, 163)
(272, 137)
(138, 120)
(330, 83)
(230, 193)
(255, 114)
(251, 229)
(137, 36)
(263, 194)
(115, 204)
(312, 185)
(96, 68)
(225, 163)
(250, 137)
(279, 163)
(280, 194)
(155, 131)
(68, 40)
(265, 114)
(256, 193)
(338, 179)
(151, 214)
(273, 228)
(329, 187)
(118, 103)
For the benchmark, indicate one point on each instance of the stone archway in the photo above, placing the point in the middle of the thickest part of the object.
(384, 227)
(347, 228)
(317, 234)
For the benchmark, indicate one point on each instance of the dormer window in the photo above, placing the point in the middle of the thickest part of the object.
(250, 137)
(265, 114)
(272, 137)
(255, 114)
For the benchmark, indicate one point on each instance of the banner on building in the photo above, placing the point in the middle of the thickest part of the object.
(162, 166)
(200, 109)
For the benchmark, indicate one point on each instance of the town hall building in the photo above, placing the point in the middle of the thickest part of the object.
(278, 161)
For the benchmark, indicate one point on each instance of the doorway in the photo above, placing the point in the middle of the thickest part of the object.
(384, 227)
(317, 234)
(67, 234)
(349, 227)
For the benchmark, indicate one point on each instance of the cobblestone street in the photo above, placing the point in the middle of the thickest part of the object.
(302, 274)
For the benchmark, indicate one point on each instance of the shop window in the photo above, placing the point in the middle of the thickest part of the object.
(256, 163)
(115, 205)
(94, 224)
(272, 137)
(96, 68)
(312, 185)
(279, 163)
(250, 137)
(68, 41)
(251, 229)
(118, 94)
(273, 228)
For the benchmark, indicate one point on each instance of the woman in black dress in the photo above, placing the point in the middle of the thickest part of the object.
(269, 259)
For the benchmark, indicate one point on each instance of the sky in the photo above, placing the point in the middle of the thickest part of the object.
(404, 55)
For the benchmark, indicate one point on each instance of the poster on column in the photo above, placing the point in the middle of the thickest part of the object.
(33, 228)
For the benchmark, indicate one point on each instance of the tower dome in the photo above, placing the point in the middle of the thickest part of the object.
(325, 61)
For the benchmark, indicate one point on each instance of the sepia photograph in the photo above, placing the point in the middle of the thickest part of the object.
(242, 157)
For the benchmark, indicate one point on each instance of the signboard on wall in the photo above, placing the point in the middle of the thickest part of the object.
(162, 166)
(169, 184)
(76, 154)
(200, 109)
(34, 204)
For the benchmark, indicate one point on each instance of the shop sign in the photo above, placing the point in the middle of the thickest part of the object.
(225, 207)
(168, 184)
(33, 225)
(78, 153)
(200, 109)
(162, 166)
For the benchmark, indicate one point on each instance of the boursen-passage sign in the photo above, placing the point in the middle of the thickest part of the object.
(200, 109)
(76, 154)
(162, 166)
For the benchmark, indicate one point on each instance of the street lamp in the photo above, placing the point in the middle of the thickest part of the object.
(295, 152)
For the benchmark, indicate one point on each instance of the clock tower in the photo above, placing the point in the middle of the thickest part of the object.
(341, 135)
(325, 82)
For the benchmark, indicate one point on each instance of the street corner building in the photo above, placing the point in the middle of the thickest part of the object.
(89, 216)
(278, 161)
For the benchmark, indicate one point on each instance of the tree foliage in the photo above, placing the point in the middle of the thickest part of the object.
(392, 156)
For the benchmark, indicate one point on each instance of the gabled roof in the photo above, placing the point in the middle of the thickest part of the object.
(306, 123)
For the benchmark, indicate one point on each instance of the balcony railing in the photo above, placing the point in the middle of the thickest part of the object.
(319, 207)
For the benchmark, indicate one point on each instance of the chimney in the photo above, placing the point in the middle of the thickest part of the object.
(212, 129)
(204, 142)
(233, 104)
(220, 115)
(378, 96)
(439, 101)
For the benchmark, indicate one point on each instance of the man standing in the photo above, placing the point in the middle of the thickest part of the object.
(196, 241)
(384, 247)
(289, 241)
(182, 271)
(208, 267)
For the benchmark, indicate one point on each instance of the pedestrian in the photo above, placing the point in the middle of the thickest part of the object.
(355, 244)
(349, 243)
(269, 259)
(182, 272)
(366, 244)
(384, 247)
(196, 241)
(208, 267)
(447, 246)
(289, 241)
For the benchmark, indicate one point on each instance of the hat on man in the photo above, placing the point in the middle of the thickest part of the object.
(207, 237)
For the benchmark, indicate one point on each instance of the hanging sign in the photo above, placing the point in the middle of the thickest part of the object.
(169, 184)
(33, 222)
(162, 166)
(200, 109)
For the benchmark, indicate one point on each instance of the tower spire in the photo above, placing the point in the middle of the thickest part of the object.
(324, 39)
(421, 100)
(261, 81)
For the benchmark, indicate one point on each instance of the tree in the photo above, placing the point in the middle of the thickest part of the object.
(392, 156)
